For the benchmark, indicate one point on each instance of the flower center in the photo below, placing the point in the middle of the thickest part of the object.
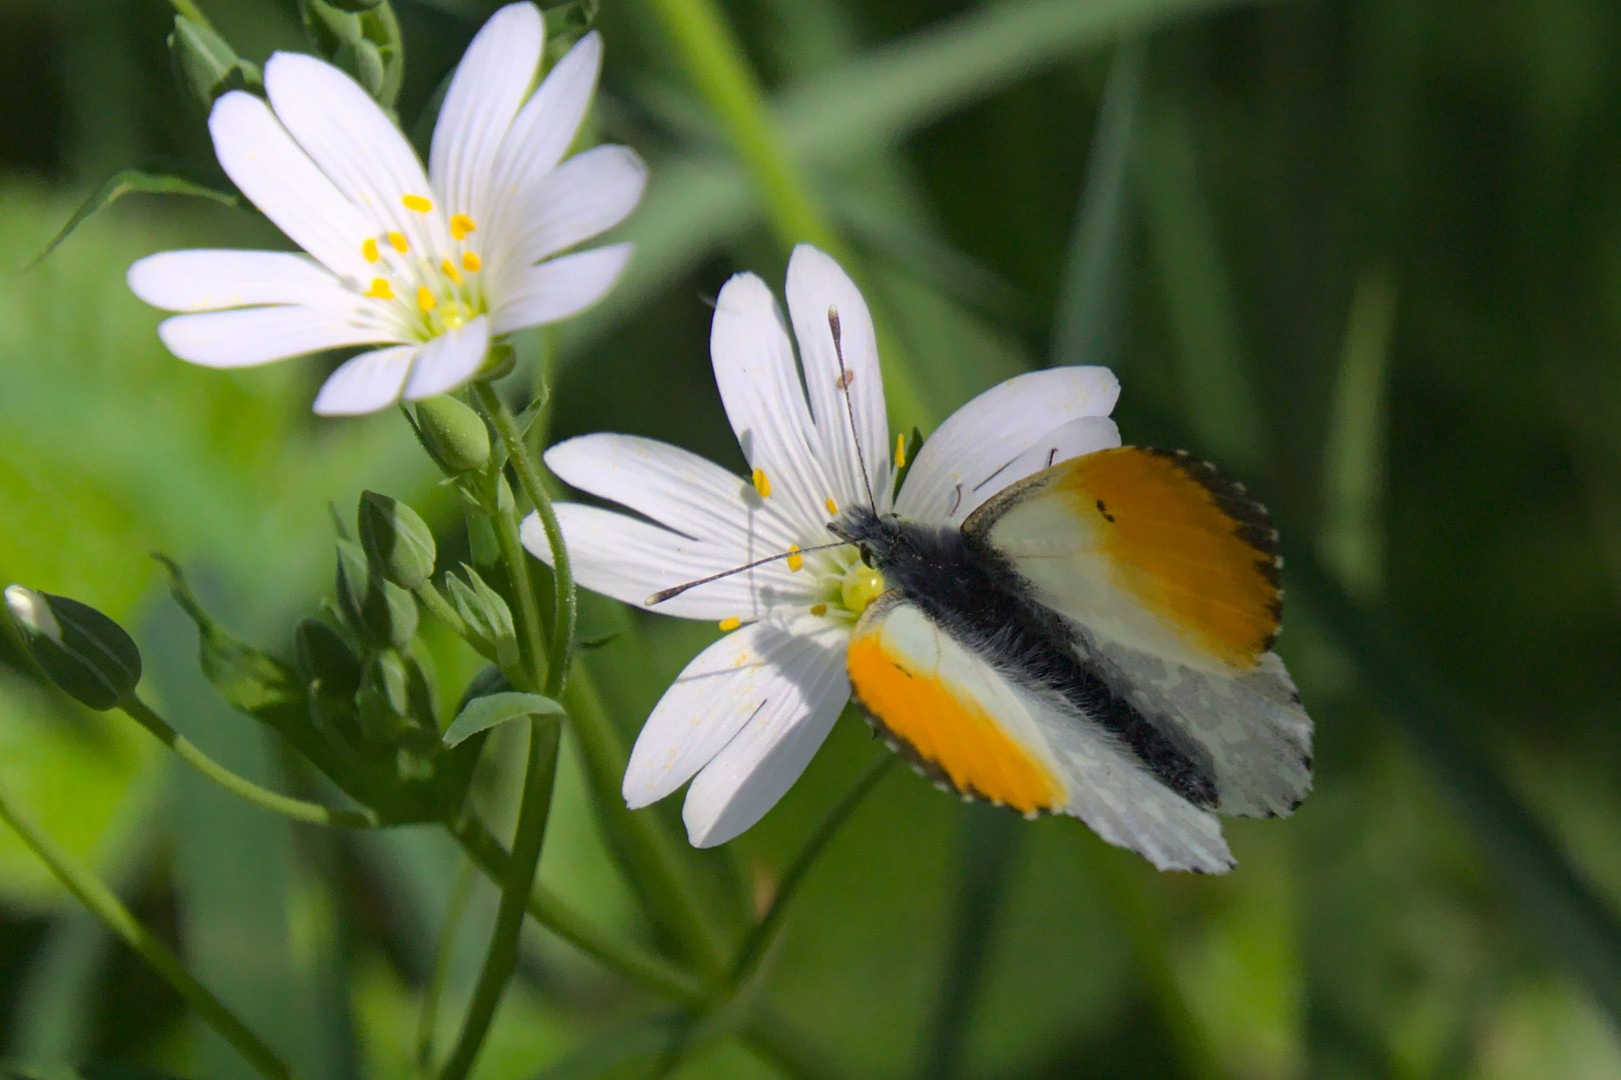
(860, 586)
(428, 292)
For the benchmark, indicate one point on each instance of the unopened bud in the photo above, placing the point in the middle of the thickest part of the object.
(375, 607)
(398, 542)
(206, 66)
(85, 653)
(325, 659)
(362, 39)
(454, 435)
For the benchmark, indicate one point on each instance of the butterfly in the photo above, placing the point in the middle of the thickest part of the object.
(1095, 640)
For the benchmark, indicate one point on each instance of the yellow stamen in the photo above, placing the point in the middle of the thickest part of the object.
(471, 262)
(900, 451)
(461, 225)
(380, 290)
(731, 624)
(417, 203)
(425, 300)
(369, 250)
(451, 272)
(818, 609)
(832, 507)
(795, 560)
(397, 242)
(762, 483)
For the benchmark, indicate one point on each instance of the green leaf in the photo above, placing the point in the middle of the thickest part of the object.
(131, 182)
(482, 714)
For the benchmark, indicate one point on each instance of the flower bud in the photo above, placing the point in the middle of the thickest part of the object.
(85, 653)
(385, 700)
(377, 609)
(325, 660)
(361, 38)
(453, 435)
(206, 66)
(398, 542)
(485, 614)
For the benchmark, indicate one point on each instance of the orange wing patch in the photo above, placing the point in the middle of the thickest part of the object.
(1187, 542)
(948, 732)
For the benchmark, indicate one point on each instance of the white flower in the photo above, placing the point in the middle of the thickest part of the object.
(429, 264)
(746, 716)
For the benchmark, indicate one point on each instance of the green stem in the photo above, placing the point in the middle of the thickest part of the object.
(562, 643)
(648, 972)
(193, 755)
(526, 613)
(428, 1018)
(101, 902)
(516, 883)
(666, 892)
(189, 10)
(759, 940)
(428, 593)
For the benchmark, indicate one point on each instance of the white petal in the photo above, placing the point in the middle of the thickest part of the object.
(211, 280)
(965, 461)
(369, 382)
(737, 679)
(490, 84)
(558, 288)
(279, 178)
(676, 488)
(542, 131)
(759, 385)
(763, 760)
(585, 196)
(449, 360)
(1082, 435)
(816, 285)
(249, 336)
(630, 560)
(350, 138)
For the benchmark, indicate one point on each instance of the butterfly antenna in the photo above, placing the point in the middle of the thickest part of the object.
(669, 594)
(834, 325)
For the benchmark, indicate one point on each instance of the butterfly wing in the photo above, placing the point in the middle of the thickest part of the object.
(985, 732)
(1168, 575)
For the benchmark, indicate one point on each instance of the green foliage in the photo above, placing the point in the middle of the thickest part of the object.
(484, 713)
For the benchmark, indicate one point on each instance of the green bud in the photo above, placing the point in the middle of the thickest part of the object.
(454, 435)
(325, 659)
(362, 39)
(397, 541)
(385, 700)
(375, 608)
(85, 653)
(206, 66)
(485, 614)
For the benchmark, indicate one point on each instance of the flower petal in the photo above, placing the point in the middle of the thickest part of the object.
(966, 460)
(817, 285)
(449, 360)
(369, 382)
(677, 489)
(759, 385)
(762, 761)
(212, 280)
(542, 131)
(249, 336)
(279, 178)
(350, 138)
(490, 84)
(731, 683)
(557, 288)
(585, 196)
(629, 560)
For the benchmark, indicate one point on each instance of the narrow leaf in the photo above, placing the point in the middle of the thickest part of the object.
(131, 182)
(484, 713)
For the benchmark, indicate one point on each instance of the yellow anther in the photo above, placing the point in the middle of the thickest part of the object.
(397, 242)
(369, 250)
(818, 609)
(417, 203)
(461, 225)
(731, 624)
(451, 272)
(380, 289)
(832, 507)
(762, 483)
(900, 451)
(471, 262)
(425, 299)
(795, 560)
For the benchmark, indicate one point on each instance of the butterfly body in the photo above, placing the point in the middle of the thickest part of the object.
(1092, 641)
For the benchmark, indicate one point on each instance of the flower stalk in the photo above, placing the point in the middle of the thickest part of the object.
(105, 906)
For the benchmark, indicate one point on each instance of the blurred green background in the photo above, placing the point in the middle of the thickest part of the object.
(1366, 255)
